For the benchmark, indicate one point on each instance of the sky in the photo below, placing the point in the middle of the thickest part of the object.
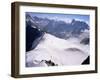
(64, 17)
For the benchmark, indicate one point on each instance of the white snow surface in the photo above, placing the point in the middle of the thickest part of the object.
(60, 51)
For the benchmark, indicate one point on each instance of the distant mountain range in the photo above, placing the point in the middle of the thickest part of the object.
(36, 27)
(58, 28)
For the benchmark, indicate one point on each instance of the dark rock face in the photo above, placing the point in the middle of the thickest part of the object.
(87, 61)
(31, 35)
(85, 41)
(49, 63)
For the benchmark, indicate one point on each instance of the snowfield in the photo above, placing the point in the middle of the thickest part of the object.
(57, 51)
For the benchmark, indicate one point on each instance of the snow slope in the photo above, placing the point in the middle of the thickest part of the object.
(59, 51)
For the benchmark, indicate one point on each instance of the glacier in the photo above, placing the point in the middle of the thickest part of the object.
(57, 51)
